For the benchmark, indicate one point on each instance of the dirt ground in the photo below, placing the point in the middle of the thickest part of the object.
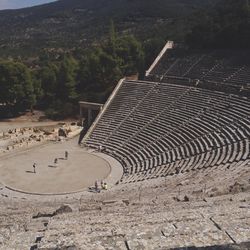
(27, 120)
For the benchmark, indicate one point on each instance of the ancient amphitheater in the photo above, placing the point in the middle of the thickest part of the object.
(174, 150)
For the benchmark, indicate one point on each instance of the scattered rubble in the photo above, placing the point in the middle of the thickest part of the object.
(22, 138)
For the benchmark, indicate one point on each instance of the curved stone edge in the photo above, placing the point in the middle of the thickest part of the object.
(116, 169)
(43, 194)
(115, 174)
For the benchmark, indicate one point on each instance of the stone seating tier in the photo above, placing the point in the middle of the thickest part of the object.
(165, 128)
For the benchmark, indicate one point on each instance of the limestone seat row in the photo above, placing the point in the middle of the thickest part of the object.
(159, 129)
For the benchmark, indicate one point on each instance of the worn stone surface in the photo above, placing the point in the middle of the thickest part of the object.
(152, 214)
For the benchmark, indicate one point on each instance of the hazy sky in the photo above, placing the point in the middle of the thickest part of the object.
(16, 4)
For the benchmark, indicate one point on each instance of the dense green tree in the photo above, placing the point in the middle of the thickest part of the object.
(131, 55)
(98, 72)
(37, 86)
(102, 67)
(16, 85)
(66, 79)
(47, 76)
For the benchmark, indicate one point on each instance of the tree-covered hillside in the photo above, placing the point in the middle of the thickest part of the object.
(225, 26)
(78, 55)
(56, 85)
(69, 24)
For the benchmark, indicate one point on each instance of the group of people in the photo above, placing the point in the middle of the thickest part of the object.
(104, 186)
(66, 155)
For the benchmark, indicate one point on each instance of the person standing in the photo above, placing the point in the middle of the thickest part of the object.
(34, 167)
(66, 155)
(55, 161)
(96, 186)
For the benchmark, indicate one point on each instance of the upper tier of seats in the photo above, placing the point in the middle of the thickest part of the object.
(221, 66)
(159, 129)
